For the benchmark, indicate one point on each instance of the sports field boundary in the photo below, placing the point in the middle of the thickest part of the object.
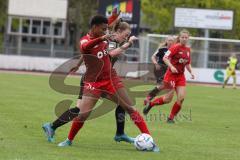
(76, 75)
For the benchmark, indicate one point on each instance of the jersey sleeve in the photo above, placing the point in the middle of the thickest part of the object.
(171, 51)
(87, 45)
(156, 52)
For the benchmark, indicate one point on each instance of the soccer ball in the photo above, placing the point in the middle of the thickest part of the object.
(144, 142)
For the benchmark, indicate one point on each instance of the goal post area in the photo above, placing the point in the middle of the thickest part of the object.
(205, 52)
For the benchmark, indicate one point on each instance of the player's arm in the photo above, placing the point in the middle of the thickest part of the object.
(154, 60)
(189, 68)
(124, 47)
(113, 19)
(154, 57)
(86, 45)
(75, 68)
(228, 63)
(166, 60)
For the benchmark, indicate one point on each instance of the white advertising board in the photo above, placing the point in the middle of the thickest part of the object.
(203, 18)
(27, 63)
(12, 62)
(205, 75)
(39, 8)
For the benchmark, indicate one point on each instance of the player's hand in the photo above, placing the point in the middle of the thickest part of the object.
(116, 12)
(132, 39)
(192, 76)
(73, 69)
(173, 69)
(108, 36)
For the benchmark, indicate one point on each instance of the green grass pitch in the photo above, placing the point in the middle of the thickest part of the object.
(208, 126)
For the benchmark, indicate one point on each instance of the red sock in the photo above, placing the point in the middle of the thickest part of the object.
(175, 109)
(148, 98)
(157, 101)
(76, 126)
(139, 122)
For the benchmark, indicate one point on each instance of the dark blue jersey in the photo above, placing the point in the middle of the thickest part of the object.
(160, 54)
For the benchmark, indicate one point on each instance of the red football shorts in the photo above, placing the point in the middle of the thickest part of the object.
(103, 87)
(174, 80)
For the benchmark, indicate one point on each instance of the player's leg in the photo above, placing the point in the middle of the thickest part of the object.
(168, 86)
(120, 120)
(67, 116)
(151, 95)
(181, 92)
(234, 80)
(159, 75)
(228, 72)
(120, 123)
(87, 104)
(225, 81)
(70, 113)
(121, 97)
(167, 98)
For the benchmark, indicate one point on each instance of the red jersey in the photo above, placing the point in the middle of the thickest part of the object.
(96, 58)
(179, 57)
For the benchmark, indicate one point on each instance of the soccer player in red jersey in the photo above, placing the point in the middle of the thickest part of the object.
(177, 59)
(122, 32)
(100, 78)
(160, 67)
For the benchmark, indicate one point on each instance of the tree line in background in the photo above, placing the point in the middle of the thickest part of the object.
(79, 13)
(156, 13)
(159, 14)
(3, 17)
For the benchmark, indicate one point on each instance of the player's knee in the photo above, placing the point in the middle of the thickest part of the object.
(167, 99)
(79, 103)
(130, 109)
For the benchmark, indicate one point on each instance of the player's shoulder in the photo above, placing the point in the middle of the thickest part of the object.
(162, 49)
(185, 47)
(176, 45)
(84, 39)
(188, 48)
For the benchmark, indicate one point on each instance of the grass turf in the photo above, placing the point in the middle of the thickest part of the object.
(207, 127)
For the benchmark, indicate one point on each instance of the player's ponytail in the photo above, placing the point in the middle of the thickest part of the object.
(177, 39)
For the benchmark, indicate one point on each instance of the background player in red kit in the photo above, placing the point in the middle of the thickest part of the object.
(160, 67)
(177, 58)
(100, 78)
